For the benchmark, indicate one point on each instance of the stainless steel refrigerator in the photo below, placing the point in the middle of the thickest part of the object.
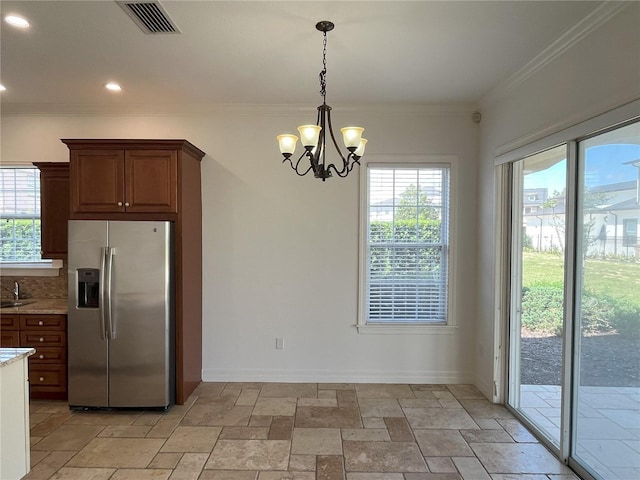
(121, 314)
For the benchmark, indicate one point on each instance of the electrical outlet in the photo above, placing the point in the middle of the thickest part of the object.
(279, 343)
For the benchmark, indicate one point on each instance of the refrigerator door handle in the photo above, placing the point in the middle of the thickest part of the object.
(111, 330)
(103, 308)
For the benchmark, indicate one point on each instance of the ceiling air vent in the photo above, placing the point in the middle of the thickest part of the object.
(150, 16)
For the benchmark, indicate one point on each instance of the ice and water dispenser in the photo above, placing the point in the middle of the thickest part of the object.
(88, 287)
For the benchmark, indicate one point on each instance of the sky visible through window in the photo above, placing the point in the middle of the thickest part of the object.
(608, 164)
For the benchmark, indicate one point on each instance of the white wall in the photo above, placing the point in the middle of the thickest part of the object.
(281, 251)
(598, 73)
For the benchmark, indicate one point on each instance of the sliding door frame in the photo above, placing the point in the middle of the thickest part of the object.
(505, 174)
(571, 256)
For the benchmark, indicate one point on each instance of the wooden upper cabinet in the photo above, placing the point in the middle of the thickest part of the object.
(97, 179)
(127, 180)
(54, 208)
(151, 180)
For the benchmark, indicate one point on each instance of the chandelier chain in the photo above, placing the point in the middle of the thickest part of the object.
(323, 73)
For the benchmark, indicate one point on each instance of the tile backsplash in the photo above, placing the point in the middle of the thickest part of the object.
(37, 287)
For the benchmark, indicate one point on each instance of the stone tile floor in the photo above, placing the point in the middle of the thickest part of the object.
(294, 431)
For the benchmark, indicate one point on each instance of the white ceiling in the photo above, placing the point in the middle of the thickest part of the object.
(265, 52)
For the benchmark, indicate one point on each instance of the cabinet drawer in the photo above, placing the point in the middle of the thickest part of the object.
(43, 322)
(48, 378)
(9, 338)
(9, 321)
(43, 338)
(48, 355)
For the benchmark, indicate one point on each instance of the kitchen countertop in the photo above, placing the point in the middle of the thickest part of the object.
(39, 306)
(10, 355)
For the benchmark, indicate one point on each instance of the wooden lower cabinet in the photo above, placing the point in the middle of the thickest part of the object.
(47, 333)
(9, 331)
(9, 338)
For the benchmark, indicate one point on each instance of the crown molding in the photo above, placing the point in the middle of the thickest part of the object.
(613, 111)
(15, 109)
(598, 17)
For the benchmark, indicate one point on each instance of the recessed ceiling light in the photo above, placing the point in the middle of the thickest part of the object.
(113, 86)
(2, 88)
(16, 21)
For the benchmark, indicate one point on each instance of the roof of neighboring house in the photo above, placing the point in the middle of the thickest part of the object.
(615, 187)
(558, 209)
(629, 204)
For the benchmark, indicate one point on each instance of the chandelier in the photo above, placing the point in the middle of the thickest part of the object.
(313, 137)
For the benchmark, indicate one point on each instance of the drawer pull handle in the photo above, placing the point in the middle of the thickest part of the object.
(41, 356)
(42, 379)
(42, 339)
(40, 322)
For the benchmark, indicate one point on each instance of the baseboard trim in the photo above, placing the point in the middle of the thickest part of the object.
(325, 376)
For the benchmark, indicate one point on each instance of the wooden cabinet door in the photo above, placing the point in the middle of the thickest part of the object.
(97, 180)
(9, 321)
(9, 330)
(151, 181)
(9, 339)
(54, 208)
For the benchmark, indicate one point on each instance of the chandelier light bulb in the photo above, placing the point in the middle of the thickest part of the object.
(360, 150)
(287, 143)
(351, 136)
(309, 135)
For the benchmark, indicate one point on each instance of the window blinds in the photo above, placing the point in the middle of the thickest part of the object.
(407, 244)
(19, 214)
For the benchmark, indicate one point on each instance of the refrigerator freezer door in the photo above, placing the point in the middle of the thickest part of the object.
(141, 319)
(87, 342)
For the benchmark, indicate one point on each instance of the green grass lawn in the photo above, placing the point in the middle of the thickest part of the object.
(611, 278)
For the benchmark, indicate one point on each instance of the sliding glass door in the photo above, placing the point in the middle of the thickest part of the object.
(606, 401)
(537, 283)
(574, 320)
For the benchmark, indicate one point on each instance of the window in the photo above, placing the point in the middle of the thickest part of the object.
(19, 214)
(630, 232)
(405, 245)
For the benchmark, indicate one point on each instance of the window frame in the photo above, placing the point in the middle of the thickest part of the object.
(409, 162)
(43, 267)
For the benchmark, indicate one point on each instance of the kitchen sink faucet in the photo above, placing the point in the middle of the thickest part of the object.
(15, 292)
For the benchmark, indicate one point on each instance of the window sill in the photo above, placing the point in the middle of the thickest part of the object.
(35, 269)
(407, 329)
